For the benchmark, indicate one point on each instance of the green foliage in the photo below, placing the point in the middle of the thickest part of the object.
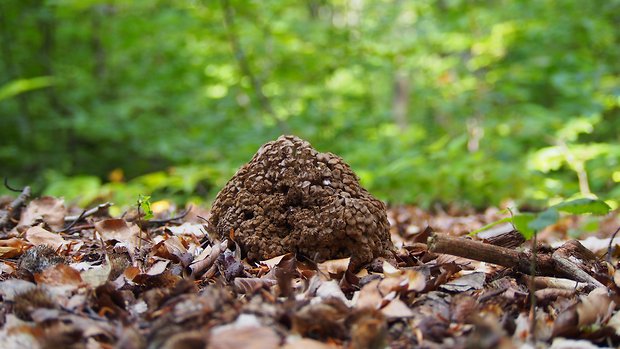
(429, 101)
(528, 223)
(16, 87)
(144, 204)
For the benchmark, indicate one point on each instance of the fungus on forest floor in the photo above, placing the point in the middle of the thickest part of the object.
(292, 198)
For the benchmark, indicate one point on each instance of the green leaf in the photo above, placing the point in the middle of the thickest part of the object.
(144, 203)
(522, 222)
(544, 219)
(491, 225)
(583, 206)
(16, 87)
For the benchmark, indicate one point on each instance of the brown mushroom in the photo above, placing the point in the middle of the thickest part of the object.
(291, 198)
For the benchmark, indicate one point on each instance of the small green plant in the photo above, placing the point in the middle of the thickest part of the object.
(529, 224)
(144, 204)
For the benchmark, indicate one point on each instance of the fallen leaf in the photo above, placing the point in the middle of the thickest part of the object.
(251, 285)
(595, 308)
(396, 309)
(39, 236)
(157, 268)
(245, 333)
(50, 210)
(272, 262)
(472, 281)
(11, 248)
(334, 266)
(120, 231)
(59, 274)
(97, 275)
(305, 343)
(12, 287)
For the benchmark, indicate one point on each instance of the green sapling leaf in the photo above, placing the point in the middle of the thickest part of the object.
(583, 206)
(144, 203)
(544, 219)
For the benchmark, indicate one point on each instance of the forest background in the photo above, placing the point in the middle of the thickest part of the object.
(430, 101)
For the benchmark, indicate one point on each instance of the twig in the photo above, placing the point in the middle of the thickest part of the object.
(610, 248)
(6, 216)
(532, 289)
(167, 220)
(520, 261)
(6, 185)
(577, 273)
(88, 213)
(244, 66)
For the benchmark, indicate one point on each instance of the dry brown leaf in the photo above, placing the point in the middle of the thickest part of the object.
(595, 308)
(48, 209)
(157, 268)
(245, 333)
(251, 285)
(306, 343)
(272, 262)
(60, 275)
(416, 280)
(39, 236)
(396, 309)
(471, 281)
(369, 297)
(98, 274)
(390, 270)
(196, 230)
(118, 229)
(12, 287)
(334, 266)
(11, 248)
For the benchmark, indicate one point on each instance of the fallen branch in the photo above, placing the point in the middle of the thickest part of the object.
(5, 217)
(519, 260)
(87, 213)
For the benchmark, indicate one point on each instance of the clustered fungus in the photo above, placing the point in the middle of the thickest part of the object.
(292, 198)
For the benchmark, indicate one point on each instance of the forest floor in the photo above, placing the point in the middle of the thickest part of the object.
(71, 278)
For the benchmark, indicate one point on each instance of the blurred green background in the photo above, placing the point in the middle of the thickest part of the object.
(448, 101)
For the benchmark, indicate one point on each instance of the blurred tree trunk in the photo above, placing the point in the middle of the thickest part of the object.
(400, 101)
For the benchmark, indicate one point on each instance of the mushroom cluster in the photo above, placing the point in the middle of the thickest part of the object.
(292, 198)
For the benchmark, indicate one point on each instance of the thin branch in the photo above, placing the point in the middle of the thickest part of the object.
(5, 217)
(610, 249)
(6, 185)
(244, 66)
(88, 213)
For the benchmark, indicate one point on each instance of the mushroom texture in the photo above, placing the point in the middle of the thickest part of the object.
(292, 198)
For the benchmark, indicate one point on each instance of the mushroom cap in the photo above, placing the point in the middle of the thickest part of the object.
(292, 198)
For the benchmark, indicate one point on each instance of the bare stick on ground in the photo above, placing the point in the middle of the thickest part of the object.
(13, 208)
(519, 260)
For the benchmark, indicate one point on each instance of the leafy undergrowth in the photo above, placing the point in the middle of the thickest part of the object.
(77, 279)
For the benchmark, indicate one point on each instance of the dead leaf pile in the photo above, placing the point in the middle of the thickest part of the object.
(71, 280)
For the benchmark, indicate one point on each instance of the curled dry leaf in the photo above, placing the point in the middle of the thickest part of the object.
(194, 229)
(120, 231)
(594, 309)
(272, 262)
(472, 281)
(251, 285)
(334, 266)
(11, 248)
(38, 236)
(48, 209)
(98, 274)
(396, 309)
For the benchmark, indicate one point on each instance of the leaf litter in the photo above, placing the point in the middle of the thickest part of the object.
(108, 283)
